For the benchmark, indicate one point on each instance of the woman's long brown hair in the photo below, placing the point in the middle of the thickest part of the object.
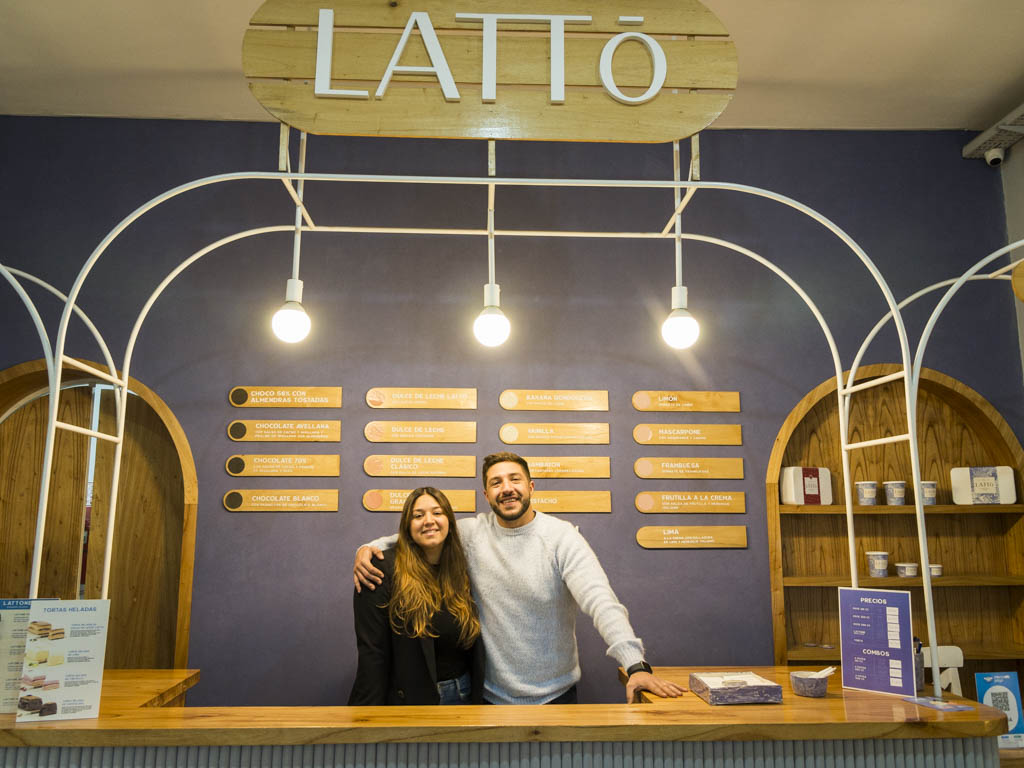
(419, 590)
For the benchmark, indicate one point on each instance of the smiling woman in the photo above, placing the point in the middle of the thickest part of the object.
(418, 632)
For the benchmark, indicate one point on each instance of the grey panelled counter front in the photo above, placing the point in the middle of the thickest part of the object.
(845, 728)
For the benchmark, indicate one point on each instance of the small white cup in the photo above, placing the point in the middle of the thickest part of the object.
(895, 492)
(906, 570)
(867, 492)
(929, 490)
(935, 569)
(878, 564)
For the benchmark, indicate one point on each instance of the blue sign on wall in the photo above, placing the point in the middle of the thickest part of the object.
(877, 642)
(1002, 691)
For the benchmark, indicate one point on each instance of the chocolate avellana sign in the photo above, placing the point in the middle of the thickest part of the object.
(491, 69)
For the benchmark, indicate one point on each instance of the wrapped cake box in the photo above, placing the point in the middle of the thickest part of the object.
(983, 485)
(735, 688)
(806, 485)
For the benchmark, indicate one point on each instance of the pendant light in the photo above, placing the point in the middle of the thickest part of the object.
(491, 327)
(290, 323)
(680, 329)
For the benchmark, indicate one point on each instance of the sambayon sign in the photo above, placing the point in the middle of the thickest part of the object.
(437, 69)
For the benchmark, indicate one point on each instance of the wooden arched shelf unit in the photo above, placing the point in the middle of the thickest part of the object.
(979, 600)
(154, 550)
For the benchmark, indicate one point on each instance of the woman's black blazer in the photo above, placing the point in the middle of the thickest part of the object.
(393, 668)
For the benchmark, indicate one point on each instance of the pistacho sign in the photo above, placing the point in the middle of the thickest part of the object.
(572, 501)
(392, 500)
(285, 397)
(647, 71)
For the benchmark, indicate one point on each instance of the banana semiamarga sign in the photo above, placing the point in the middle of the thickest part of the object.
(491, 69)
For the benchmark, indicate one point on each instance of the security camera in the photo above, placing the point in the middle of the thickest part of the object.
(995, 156)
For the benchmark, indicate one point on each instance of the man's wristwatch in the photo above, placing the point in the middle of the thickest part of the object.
(640, 666)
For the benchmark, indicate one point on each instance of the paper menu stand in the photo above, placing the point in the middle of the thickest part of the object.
(13, 628)
(62, 669)
(1002, 691)
(877, 648)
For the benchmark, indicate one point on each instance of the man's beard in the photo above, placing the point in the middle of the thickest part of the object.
(511, 517)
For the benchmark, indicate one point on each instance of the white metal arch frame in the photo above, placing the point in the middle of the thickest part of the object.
(11, 274)
(844, 393)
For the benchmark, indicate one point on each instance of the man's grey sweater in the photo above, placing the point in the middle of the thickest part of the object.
(527, 583)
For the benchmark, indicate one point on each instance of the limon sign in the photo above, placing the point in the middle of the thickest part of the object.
(491, 69)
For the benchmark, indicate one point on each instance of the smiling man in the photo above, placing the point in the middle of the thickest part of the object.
(529, 572)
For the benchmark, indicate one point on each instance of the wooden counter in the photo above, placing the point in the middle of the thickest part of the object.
(131, 715)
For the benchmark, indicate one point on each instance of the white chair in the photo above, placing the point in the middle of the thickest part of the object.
(951, 659)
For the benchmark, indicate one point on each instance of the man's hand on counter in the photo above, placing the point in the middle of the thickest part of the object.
(364, 572)
(645, 681)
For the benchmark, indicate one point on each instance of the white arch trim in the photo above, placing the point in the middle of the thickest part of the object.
(493, 182)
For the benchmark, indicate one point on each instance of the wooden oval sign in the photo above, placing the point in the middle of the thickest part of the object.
(285, 397)
(421, 431)
(688, 434)
(287, 465)
(692, 537)
(270, 431)
(422, 397)
(419, 466)
(557, 433)
(569, 466)
(690, 502)
(554, 399)
(554, 502)
(392, 500)
(651, 71)
(313, 500)
(689, 468)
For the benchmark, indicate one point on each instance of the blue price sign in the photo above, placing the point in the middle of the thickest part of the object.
(1002, 691)
(877, 641)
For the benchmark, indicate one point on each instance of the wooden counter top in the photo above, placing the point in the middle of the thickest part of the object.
(131, 715)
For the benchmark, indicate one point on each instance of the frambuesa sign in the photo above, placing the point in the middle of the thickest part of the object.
(564, 71)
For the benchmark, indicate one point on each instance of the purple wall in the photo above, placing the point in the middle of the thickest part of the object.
(271, 613)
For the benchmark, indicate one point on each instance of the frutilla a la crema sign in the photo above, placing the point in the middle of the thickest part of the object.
(570, 70)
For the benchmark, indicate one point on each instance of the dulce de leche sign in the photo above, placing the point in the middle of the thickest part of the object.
(393, 500)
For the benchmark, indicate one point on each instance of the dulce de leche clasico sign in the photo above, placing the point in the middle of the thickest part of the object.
(643, 71)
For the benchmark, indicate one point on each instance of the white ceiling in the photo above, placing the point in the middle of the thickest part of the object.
(806, 64)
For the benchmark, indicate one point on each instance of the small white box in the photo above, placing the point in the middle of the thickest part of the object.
(983, 485)
(806, 485)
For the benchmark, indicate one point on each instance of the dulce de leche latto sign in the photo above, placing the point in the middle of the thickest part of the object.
(285, 397)
(458, 398)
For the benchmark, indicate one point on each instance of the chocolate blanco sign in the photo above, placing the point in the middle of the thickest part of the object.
(566, 70)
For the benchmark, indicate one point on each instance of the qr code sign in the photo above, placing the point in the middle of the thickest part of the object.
(1001, 700)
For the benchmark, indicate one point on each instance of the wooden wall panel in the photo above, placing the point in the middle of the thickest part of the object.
(22, 437)
(147, 547)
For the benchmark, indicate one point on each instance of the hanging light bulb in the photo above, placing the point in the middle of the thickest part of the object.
(491, 327)
(680, 329)
(290, 322)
